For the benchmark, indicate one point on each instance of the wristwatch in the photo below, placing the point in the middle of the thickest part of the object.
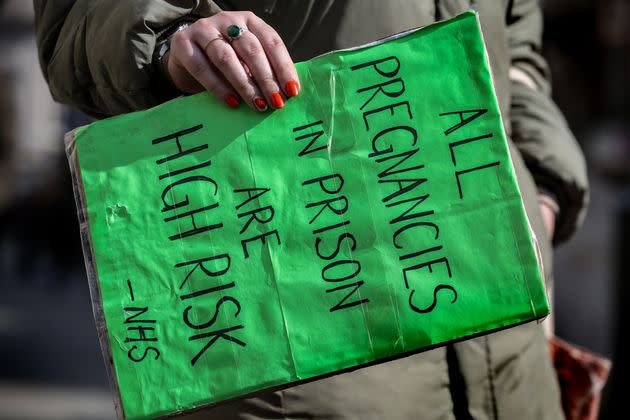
(163, 47)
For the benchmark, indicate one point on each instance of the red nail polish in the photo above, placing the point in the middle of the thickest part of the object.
(276, 100)
(231, 101)
(292, 88)
(260, 103)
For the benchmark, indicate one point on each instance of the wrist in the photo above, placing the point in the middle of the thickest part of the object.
(549, 210)
(548, 199)
(162, 49)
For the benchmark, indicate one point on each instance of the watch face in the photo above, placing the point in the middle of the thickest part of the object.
(163, 49)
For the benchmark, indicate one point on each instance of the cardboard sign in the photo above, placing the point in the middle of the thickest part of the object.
(374, 216)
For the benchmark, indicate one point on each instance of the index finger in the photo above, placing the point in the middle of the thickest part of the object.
(277, 54)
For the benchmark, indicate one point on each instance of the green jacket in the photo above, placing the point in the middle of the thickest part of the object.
(97, 56)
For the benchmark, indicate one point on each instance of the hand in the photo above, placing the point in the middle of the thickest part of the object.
(255, 66)
(548, 216)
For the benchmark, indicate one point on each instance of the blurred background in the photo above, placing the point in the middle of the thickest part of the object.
(50, 361)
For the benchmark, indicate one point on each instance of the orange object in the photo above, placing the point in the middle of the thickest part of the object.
(582, 375)
(277, 101)
(292, 88)
(261, 104)
(231, 101)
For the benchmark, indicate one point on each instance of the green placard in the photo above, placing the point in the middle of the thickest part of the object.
(376, 215)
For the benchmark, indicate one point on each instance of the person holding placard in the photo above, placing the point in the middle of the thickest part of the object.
(109, 58)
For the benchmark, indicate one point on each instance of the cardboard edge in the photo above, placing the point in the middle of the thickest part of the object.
(90, 267)
(532, 233)
(402, 34)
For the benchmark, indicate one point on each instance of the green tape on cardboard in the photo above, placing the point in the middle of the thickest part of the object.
(377, 214)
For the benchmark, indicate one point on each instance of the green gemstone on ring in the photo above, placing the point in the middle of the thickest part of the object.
(234, 31)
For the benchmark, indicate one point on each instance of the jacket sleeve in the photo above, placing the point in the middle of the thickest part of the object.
(97, 54)
(538, 128)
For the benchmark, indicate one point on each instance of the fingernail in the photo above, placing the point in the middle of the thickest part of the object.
(231, 101)
(261, 104)
(276, 100)
(292, 88)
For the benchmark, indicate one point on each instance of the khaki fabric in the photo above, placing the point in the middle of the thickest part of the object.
(414, 387)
